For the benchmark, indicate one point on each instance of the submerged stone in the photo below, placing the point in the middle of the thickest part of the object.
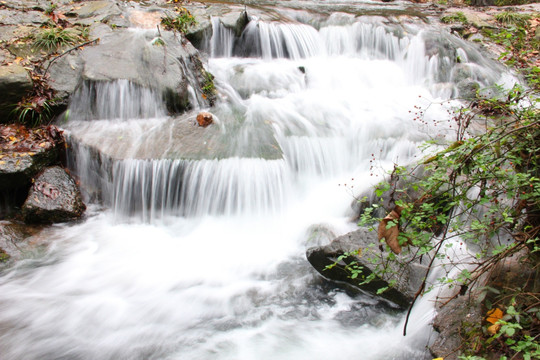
(15, 240)
(54, 197)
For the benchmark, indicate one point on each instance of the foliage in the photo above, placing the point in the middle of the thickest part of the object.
(37, 107)
(158, 42)
(3, 256)
(32, 112)
(53, 38)
(50, 9)
(518, 37)
(512, 18)
(208, 86)
(457, 17)
(482, 190)
(180, 22)
(510, 2)
(511, 333)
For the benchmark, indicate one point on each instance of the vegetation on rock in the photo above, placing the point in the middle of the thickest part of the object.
(180, 22)
(481, 191)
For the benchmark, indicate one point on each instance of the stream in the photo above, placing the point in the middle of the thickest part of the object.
(193, 244)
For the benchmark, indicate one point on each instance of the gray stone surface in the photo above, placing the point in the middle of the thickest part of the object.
(451, 319)
(54, 197)
(123, 54)
(15, 82)
(13, 17)
(15, 240)
(17, 169)
(407, 275)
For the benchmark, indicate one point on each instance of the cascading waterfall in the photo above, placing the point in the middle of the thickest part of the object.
(200, 254)
(184, 188)
(119, 100)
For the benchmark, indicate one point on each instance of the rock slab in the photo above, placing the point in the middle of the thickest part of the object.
(54, 197)
(406, 275)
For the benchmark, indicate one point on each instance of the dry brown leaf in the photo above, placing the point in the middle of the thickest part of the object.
(494, 315)
(494, 329)
(390, 235)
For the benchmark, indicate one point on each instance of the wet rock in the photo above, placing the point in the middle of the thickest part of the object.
(24, 152)
(235, 21)
(90, 12)
(451, 320)
(54, 197)
(15, 82)
(406, 192)
(121, 54)
(232, 17)
(17, 169)
(204, 118)
(12, 17)
(319, 235)
(468, 89)
(14, 239)
(407, 275)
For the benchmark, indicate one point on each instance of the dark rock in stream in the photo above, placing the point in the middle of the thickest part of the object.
(407, 275)
(54, 197)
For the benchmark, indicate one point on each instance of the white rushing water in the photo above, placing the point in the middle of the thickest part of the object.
(203, 256)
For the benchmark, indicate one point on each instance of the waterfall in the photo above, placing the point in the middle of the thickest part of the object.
(121, 99)
(194, 243)
(194, 188)
(222, 41)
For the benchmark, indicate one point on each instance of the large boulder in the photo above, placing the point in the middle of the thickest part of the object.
(407, 276)
(234, 18)
(159, 60)
(15, 83)
(54, 197)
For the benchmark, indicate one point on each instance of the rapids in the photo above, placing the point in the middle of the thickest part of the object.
(193, 246)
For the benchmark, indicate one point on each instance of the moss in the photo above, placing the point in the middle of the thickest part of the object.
(4, 257)
(208, 87)
(457, 17)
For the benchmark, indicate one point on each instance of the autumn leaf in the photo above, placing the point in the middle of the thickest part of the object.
(494, 329)
(494, 315)
(390, 232)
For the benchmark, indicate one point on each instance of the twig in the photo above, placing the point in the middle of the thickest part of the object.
(68, 51)
(421, 288)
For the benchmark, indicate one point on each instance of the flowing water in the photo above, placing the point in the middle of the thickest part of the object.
(193, 245)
